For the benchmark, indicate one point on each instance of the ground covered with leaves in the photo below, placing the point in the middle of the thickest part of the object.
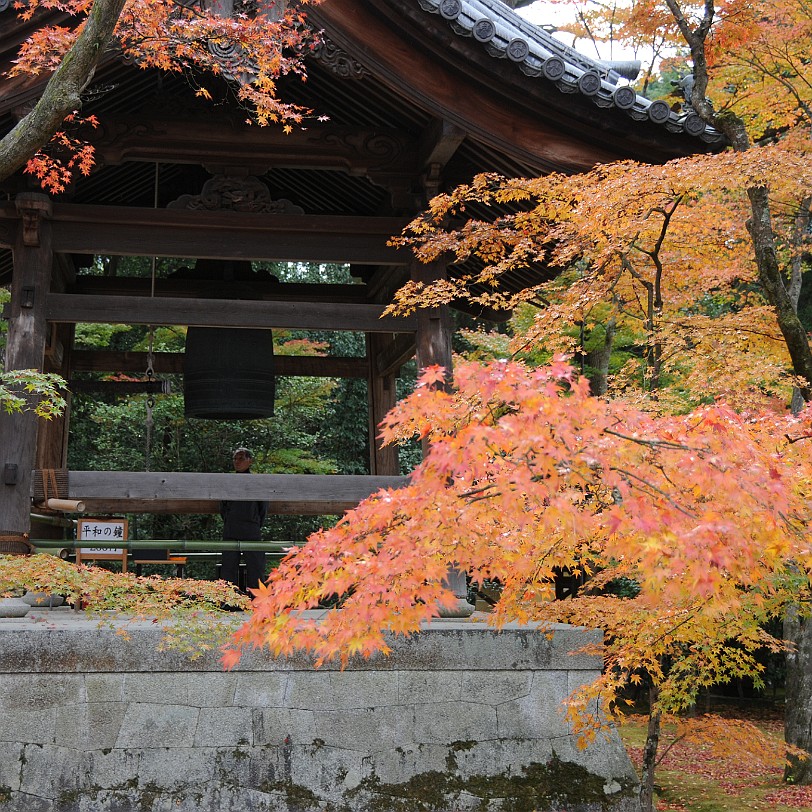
(695, 776)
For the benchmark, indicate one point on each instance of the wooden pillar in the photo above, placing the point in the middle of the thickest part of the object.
(433, 326)
(434, 329)
(383, 461)
(433, 323)
(25, 348)
(52, 439)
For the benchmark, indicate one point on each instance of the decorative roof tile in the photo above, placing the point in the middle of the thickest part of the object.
(505, 35)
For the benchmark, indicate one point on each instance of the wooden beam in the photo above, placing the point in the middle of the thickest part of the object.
(382, 395)
(135, 231)
(65, 307)
(216, 141)
(259, 288)
(172, 492)
(101, 507)
(383, 283)
(172, 363)
(438, 143)
(433, 323)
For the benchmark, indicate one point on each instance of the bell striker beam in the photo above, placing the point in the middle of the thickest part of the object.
(25, 349)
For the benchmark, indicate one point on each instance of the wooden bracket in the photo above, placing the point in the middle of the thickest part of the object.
(32, 207)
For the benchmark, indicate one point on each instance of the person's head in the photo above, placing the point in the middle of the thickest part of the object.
(242, 458)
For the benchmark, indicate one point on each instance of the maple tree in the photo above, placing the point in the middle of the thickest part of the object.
(643, 243)
(251, 47)
(529, 475)
(706, 230)
(24, 389)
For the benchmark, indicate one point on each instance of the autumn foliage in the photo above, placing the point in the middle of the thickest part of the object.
(529, 475)
(661, 251)
(190, 612)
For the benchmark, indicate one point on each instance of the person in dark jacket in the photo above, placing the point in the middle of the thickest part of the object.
(242, 521)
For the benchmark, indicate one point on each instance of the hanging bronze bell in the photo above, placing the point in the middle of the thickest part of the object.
(228, 373)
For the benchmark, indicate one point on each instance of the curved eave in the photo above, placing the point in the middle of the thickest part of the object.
(560, 114)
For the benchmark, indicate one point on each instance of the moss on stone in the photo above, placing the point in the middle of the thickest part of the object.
(537, 788)
(453, 749)
(299, 798)
(5, 794)
(148, 795)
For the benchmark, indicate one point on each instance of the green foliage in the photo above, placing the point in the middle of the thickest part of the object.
(662, 85)
(23, 390)
(5, 298)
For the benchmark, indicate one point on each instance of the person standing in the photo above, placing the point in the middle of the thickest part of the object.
(242, 521)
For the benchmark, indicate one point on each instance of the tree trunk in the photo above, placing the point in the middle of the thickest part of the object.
(650, 754)
(598, 361)
(772, 281)
(62, 95)
(798, 712)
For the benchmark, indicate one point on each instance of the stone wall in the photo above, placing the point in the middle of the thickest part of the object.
(460, 718)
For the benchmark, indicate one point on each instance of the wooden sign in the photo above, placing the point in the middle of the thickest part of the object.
(100, 530)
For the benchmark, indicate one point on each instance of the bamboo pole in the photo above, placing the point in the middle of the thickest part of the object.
(175, 545)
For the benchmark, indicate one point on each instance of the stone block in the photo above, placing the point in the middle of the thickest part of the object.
(454, 645)
(11, 753)
(177, 767)
(308, 690)
(604, 755)
(223, 727)
(327, 771)
(247, 767)
(104, 688)
(211, 690)
(49, 771)
(146, 725)
(365, 729)
(110, 769)
(495, 757)
(261, 690)
(28, 726)
(539, 714)
(30, 803)
(454, 722)
(399, 764)
(39, 691)
(271, 726)
(567, 649)
(162, 688)
(90, 727)
(360, 689)
(416, 687)
(495, 687)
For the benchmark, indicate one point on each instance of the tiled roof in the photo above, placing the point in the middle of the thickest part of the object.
(503, 34)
